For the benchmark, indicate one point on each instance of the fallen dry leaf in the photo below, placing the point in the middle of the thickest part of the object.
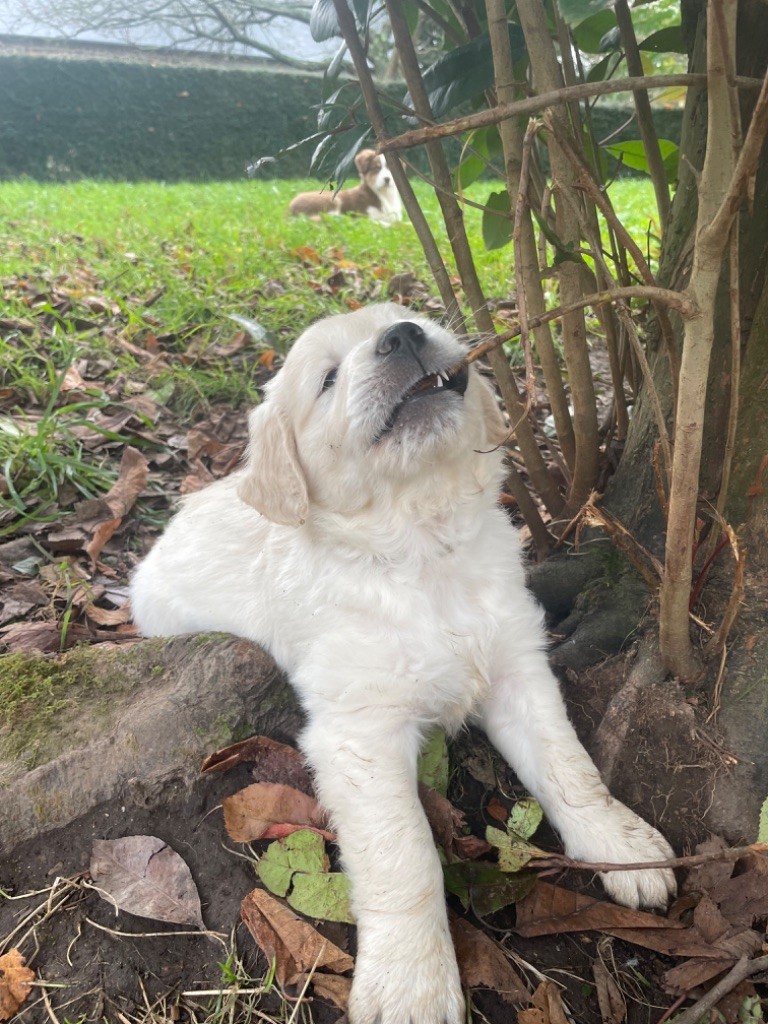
(272, 762)
(249, 813)
(482, 964)
(613, 1007)
(131, 481)
(15, 983)
(294, 945)
(334, 988)
(144, 876)
(547, 1006)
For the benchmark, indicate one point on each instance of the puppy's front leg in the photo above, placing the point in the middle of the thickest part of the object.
(526, 720)
(365, 771)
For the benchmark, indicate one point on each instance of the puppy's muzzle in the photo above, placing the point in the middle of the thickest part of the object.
(403, 338)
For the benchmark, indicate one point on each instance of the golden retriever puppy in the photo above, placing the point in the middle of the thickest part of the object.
(363, 546)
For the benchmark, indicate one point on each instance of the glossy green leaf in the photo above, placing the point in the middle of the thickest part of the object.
(465, 72)
(433, 762)
(574, 12)
(590, 32)
(666, 40)
(497, 221)
(632, 154)
(484, 887)
(602, 70)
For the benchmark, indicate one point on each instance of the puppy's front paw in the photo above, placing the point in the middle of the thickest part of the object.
(406, 982)
(619, 836)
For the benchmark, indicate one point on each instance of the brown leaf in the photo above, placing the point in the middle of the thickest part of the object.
(101, 534)
(692, 973)
(131, 481)
(482, 964)
(547, 1006)
(705, 876)
(613, 1008)
(294, 945)
(144, 876)
(251, 811)
(108, 616)
(743, 899)
(550, 910)
(273, 762)
(445, 820)
(334, 988)
(15, 983)
(496, 809)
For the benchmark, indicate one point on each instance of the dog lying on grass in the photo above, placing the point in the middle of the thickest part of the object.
(363, 546)
(375, 197)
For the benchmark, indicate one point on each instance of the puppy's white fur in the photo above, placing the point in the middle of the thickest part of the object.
(369, 556)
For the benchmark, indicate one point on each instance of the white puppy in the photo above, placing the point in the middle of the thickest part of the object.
(363, 546)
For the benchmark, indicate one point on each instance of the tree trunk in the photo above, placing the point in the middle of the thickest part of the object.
(742, 693)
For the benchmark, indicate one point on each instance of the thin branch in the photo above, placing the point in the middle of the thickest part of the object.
(746, 168)
(645, 123)
(559, 860)
(744, 969)
(555, 97)
(675, 300)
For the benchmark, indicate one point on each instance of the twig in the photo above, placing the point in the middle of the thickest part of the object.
(644, 562)
(555, 97)
(744, 969)
(309, 978)
(559, 860)
(204, 932)
(49, 1008)
(522, 307)
(675, 300)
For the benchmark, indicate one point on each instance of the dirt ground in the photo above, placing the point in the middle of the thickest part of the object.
(117, 967)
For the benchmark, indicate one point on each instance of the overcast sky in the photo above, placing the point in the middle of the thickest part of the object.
(286, 36)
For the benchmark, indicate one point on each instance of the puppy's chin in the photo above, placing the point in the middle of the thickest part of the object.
(425, 425)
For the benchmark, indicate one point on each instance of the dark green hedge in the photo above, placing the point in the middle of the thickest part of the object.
(63, 118)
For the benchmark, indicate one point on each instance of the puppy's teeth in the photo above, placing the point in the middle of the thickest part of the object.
(439, 382)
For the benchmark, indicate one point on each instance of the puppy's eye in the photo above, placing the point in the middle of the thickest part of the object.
(330, 379)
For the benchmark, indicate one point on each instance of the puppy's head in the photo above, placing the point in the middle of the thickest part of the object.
(373, 170)
(370, 408)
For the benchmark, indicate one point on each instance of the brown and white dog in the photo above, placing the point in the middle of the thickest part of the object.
(375, 197)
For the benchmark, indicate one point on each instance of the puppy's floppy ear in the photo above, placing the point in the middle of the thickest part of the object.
(496, 429)
(274, 482)
(363, 159)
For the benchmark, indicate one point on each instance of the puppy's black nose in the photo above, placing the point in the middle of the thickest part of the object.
(403, 335)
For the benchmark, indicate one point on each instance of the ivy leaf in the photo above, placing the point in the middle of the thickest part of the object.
(514, 852)
(525, 817)
(484, 887)
(298, 869)
(324, 896)
(433, 763)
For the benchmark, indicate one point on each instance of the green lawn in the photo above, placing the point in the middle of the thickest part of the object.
(109, 275)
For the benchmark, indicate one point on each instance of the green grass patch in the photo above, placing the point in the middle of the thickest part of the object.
(116, 273)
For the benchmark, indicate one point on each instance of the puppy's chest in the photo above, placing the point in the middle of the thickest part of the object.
(448, 641)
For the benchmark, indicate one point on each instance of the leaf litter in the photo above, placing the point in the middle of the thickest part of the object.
(64, 559)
